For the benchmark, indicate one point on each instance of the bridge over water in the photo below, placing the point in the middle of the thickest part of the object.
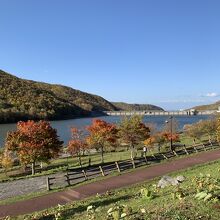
(156, 113)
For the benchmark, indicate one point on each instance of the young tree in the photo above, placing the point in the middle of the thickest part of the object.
(218, 130)
(6, 160)
(77, 145)
(34, 142)
(150, 142)
(158, 138)
(133, 131)
(194, 131)
(168, 137)
(101, 135)
(209, 127)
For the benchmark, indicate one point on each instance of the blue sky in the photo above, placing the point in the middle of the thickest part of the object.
(164, 52)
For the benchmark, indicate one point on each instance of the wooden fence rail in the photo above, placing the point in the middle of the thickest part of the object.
(80, 175)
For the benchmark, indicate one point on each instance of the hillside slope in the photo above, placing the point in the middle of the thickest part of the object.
(136, 107)
(24, 99)
(214, 106)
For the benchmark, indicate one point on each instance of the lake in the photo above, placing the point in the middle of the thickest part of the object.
(63, 126)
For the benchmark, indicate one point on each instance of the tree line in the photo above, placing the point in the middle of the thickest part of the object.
(33, 142)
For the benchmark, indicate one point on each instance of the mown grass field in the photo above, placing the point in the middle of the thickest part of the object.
(163, 204)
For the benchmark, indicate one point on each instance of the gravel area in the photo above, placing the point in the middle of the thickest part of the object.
(25, 186)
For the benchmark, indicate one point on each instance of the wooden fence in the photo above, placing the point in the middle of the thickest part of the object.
(75, 176)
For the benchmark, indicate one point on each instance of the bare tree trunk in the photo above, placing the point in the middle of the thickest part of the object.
(33, 168)
(102, 155)
(159, 147)
(80, 161)
(89, 158)
(132, 152)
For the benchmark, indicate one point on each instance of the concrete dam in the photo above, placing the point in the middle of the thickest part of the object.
(190, 112)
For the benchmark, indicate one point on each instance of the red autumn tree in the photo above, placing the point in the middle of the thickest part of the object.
(101, 135)
(34, 142)
(77, 145)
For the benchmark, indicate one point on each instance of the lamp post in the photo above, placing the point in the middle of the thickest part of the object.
(171, 131)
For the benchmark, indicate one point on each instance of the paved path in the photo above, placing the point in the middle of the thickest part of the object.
(81, 192)
(26, 186)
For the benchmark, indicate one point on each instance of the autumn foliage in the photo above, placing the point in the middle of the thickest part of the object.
(150, 141)
(34, 142)
(6, 160)
(160, 139)
(132, 131)
(101, 135)
(168, 136)
(77, 145)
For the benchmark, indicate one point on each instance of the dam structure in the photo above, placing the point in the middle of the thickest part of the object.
(190, 112)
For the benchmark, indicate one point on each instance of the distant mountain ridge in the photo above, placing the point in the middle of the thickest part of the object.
(22, 99)
(136, 107)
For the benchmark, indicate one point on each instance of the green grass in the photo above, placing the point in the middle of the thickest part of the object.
(163, 206)
(108, 156)
(61, 164)
(115, 173)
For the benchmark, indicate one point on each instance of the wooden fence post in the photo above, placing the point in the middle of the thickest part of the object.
(48, 183)
(84, 173)
(210, 142)
(153, 156)
(67, 179)
(204, 147)
(185, 149)
(102, 172)
(195, 149)
(117, 165)
(175, 153)
(133, 163)
(165, 156)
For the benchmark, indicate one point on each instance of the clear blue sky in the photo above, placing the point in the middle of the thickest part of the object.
(164, 52)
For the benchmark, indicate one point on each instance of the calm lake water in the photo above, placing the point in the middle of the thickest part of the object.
(63, 127)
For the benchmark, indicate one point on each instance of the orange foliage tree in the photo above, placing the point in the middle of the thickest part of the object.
(77, 145)
(101, 135)
(174, 137)
(132, 131)
(34, 142)
(158, 138)
(149, 143)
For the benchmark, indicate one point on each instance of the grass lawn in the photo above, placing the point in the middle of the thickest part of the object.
(168, 203)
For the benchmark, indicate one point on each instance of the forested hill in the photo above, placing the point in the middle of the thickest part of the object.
(24, 99)
(136, 107)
